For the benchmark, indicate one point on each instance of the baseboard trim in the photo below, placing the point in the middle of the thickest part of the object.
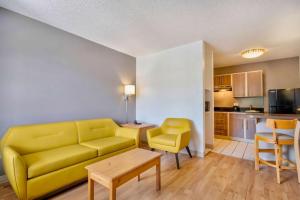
(200, 154)
(3, 179)
(234, 138)
(194, 153)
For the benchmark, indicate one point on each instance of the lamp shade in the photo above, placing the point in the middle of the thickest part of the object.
(129, 90)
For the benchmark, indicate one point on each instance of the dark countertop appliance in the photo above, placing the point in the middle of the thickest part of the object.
(284, 101)
(236, 108)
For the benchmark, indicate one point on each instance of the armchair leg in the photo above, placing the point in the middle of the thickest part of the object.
(188, 150)
(177, 160)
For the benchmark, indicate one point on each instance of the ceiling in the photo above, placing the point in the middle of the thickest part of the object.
(141, 27)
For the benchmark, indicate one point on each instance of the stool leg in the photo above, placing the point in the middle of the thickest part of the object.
(277, 163)
(280, 155)
(256, 154)
(297, 155)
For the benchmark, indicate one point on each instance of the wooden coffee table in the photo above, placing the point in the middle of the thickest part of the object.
(113, 172)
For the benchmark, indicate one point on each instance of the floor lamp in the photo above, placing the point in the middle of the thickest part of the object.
(129, 90)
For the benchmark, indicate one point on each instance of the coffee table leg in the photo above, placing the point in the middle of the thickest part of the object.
(91, 188)
(158, 175)
(139, 177)
(112, 193)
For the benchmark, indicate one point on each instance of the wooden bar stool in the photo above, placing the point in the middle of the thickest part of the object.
(297, 148)
(278, 140)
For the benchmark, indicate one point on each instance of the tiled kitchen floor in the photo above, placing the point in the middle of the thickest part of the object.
(233, 148)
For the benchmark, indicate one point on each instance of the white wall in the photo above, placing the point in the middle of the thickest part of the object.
(170, 84)
(209, 90)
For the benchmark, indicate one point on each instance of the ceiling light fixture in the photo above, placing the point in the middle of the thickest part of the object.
(253, 53)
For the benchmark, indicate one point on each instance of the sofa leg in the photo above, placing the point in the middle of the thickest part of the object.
(177, 160)
(188, 150)
(152, 149)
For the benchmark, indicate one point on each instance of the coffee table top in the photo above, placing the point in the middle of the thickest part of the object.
(116, 166)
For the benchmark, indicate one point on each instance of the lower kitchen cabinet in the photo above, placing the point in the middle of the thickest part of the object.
(221, 123)
(236, 125)
(250, 128)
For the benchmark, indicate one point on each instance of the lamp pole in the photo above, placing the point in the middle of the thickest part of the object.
(128, 91)
(126, 107)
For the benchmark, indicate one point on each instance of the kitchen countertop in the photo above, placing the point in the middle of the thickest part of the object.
(264, 115)
(241, 109)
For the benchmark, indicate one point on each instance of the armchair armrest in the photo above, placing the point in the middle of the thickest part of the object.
(153, 132)
(16, 171)
(183, 139)
(129, 133)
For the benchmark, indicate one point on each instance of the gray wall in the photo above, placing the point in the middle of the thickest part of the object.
(49, 75)
(282, 73)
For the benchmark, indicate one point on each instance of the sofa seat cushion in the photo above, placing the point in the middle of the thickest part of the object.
(165, 139)
(44, 162)
(109, 144)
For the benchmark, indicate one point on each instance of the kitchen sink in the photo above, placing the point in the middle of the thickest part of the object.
(252, 111)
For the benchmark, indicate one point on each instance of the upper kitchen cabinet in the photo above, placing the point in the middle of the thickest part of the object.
(247, 84)
(239, 84)
(255, 84)
(222, 80)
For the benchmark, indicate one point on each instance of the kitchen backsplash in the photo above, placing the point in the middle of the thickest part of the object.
(225, 99)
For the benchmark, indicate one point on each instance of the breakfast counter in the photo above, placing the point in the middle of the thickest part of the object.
(263, 115)
(242, 126)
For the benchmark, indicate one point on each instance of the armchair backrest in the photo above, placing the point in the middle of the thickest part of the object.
(175, 125)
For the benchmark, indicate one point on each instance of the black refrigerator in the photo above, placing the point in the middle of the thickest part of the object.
(284, 101)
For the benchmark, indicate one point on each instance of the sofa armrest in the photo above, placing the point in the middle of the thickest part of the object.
(153, 132)
(183, 139)
(16, 171)
(129, 133)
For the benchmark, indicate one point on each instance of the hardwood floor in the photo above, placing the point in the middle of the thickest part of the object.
(215, 177)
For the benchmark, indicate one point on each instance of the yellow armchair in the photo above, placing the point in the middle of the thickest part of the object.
(172, 136)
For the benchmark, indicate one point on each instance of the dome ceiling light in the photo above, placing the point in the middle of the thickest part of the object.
(253, 53)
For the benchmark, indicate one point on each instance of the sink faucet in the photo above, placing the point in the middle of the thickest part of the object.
(250, 107)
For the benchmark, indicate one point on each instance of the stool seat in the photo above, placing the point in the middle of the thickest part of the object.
(269, 135)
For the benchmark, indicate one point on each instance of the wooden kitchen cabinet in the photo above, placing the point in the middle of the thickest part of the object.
(254, 84)
(239, 84)
(247, 84)
(222, 80)
(236, 125)
(221, 123)
(250, 128)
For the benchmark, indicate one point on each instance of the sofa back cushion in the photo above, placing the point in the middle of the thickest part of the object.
(95, 129)
(40, 137)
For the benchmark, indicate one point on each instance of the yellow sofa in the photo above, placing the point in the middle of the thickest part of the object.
(43, 158)
(173, 135)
